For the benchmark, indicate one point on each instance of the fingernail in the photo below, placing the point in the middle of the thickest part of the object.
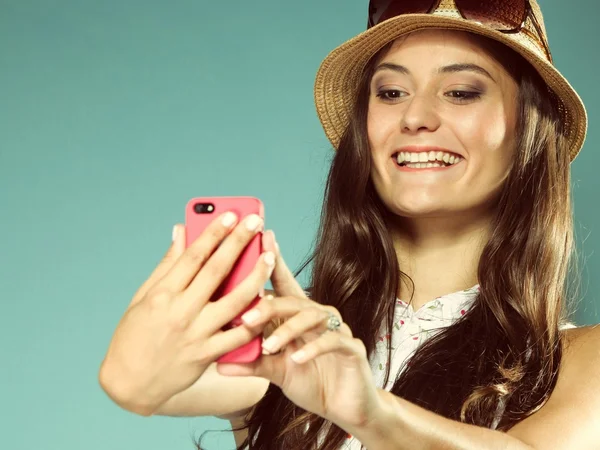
(270, 258)
(276, 245)
(228, 219)
(252, 222)
(299, 356)
(271, 344)
(174, 233)
(251, 316)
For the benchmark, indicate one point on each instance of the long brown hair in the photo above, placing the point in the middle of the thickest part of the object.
(502, 357)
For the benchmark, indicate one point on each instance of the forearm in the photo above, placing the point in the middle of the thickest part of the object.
(402, 425)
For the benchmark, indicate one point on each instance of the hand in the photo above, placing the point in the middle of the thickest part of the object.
(333, 379)
(171, 332)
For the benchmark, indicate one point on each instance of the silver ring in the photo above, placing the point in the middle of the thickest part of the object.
(333, 322)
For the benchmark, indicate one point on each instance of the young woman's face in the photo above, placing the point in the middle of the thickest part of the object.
(438, 93)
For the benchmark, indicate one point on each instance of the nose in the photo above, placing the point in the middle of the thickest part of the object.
(419, 115)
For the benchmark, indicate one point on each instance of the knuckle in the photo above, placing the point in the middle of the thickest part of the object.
(195, 256)
(318, 314)
(216, 231)
(159, 297)
(332, 310)
(240, 235)
(360, 346)
(204, 355)
(266, 308)
(289, 328)
(212, 270)
(335, 339)
(178, 322)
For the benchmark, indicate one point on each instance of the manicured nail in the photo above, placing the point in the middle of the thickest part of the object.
(271, 344)
(252, 222)
(174, 233)
(299, 356)
(228, 219)
(251, 316)
(269, 258)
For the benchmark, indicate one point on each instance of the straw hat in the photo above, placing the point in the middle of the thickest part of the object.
(338, 76)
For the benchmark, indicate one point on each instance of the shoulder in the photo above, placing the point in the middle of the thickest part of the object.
(581, 352)
(578, 340)
(570, 418)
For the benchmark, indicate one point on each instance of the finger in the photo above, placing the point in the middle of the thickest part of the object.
(195, 256)
(310, 320)
(225, 341)
(303, 316)
(221, 262)
(273, 308)
(175, 250)
(297, 327)
(327, 343)
(283, 280)
(268, 241)
(215, 315)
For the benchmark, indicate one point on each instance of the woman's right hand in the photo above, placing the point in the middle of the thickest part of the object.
(171, 332)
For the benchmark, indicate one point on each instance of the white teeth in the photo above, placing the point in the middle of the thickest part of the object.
(411, 159)
(420, 165)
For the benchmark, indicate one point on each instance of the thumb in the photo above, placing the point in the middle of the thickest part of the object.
(283, 280)
(175, 250)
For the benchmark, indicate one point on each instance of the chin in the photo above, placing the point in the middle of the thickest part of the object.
(415, 209)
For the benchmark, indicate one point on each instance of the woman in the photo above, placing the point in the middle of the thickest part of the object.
(454, 134)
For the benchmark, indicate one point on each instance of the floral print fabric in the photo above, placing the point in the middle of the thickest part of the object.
(411, 329)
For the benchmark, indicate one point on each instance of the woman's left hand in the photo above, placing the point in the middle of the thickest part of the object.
(333, 378)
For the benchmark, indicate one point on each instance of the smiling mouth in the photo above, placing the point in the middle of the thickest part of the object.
(426, 160)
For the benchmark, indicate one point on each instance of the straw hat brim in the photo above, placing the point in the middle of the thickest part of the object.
(338, 75)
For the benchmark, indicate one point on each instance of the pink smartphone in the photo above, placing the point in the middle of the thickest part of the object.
(201, 211)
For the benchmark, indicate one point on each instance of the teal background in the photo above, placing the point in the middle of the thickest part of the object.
(112, 115)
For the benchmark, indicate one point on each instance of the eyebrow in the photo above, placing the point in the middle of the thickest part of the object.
(452, 68)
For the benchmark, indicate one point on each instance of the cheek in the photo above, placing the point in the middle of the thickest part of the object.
(379, 126)
(487, 135)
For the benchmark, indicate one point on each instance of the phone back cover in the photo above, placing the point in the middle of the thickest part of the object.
(195, 225)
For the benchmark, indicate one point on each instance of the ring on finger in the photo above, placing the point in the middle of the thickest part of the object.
(333, 322)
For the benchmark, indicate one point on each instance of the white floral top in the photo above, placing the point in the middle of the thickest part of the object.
(410, 330)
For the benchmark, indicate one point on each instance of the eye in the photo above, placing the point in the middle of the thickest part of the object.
(389, 95)
(463, 96)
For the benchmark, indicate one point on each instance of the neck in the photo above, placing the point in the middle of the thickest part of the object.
(440, 255)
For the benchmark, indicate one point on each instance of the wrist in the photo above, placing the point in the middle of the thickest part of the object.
(374, 432)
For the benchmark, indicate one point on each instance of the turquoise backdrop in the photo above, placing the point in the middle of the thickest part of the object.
(112, 115)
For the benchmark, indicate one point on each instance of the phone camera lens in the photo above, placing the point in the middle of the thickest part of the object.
(204, 208)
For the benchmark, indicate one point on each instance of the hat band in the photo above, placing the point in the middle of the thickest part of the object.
(507, 16)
